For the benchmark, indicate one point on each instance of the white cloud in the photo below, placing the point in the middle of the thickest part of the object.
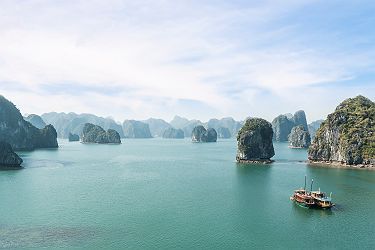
(220, 56)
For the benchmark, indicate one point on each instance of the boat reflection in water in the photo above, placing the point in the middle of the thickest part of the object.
(312, 199)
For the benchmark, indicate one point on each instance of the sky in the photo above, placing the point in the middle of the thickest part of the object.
(198, 59)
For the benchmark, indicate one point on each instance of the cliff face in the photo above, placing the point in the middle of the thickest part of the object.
(313, 127)
(8, 158)
(36, 121)
(20, 134)
(200, 134)
(254, 141)
(173, 133)
(282, 127)
(348, 134)
(299, 137)
(136, 129)
(95, 134)
(299, 118)
(283, 124)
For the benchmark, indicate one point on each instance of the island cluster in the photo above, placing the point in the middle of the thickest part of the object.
(345, 138)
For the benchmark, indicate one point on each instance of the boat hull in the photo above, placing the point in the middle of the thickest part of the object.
(301, 203)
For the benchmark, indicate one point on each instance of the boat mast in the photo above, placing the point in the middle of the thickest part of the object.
(312, 181)
(305, 183)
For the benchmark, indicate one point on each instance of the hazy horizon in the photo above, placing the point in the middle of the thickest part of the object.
(142, 59)
(167, 120)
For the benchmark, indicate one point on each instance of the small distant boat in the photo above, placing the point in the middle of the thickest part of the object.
(312, 199)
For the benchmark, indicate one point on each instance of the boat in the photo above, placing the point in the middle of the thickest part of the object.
(322, 200)
(302, 197)
(312, 199)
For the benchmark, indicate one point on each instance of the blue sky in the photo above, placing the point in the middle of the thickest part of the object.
(199, 59)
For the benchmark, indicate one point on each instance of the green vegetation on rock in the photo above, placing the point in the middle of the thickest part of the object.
(95, 134)
(201, 134)
(254, 141)
(348, 134)
(21, 134)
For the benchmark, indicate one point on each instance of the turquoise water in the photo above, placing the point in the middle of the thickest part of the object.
(168, 194)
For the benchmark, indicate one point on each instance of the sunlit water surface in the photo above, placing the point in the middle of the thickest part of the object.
(167, 194)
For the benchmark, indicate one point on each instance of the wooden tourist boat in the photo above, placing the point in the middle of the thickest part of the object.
(321, 199)
(315, 199)
(302, 197)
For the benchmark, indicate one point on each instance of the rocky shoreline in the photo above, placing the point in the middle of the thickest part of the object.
(337, 164)
(260, 161)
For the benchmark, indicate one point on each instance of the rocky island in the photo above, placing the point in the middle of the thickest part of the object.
(36, 120)
(200, 134)
(313, 127)
(136, 129)
(172, 133)
(282, 125)
(96, 134)
(254, 142)
(347, 136)
(66, 123)
(20, 134)
(73, 137)
(157, 126)
(299, 137)
(223, 133)
(8, 158)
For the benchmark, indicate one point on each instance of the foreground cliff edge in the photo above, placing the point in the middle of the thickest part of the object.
(254, 142)
(347, 137)
(8, 158)
(21, 134)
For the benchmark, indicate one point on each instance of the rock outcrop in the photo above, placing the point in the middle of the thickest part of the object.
(313, 127)
(299, 137)
(281, 128)
(282, 125)
(8, 158)
(66, 123)
(20, 134)
(172, 133)
(188, 125)
(200, 134)
(36, 121)
(95, 134)
(136, 129)
(254, 142)
(223, 133)
(299, 118)
(347, 136)
(188, 128)
(157, 126)
(73, 137)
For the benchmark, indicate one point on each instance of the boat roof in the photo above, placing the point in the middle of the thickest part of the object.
(323, 198)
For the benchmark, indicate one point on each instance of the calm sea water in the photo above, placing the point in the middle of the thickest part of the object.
(167, 194)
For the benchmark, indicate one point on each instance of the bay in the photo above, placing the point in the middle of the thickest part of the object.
(168, 194)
